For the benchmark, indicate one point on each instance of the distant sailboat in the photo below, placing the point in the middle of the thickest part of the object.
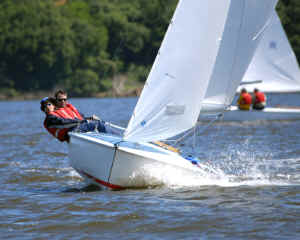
(273, 69)
(212, 40)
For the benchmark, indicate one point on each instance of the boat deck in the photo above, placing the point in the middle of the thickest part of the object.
(112, 140)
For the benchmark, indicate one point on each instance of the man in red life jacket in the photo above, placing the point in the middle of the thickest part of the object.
(259, 100)
(59, 123)
(67, 109)
(245, 100)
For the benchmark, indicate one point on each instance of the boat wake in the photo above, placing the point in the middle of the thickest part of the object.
(233, 174)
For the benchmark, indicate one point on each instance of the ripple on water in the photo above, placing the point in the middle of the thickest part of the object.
(250, 190)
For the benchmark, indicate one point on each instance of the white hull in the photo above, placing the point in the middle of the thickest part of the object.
(268, 114)
(96, 158)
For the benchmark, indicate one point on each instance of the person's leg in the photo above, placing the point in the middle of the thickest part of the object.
(86, 127)
(100, 126)
(258, 107)
(94, 125)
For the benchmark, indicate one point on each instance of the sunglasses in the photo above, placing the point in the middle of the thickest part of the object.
(62, 99)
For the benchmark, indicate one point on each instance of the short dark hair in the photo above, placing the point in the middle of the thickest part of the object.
(60, 92)
(46, 100)
(255, 89)
(244, 90)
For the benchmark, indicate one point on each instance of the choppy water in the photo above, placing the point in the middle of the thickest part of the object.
(253, 193)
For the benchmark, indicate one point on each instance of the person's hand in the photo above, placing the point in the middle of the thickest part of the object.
(94, 117)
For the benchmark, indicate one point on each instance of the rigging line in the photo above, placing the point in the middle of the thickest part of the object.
(264, 28)
(192, 130)
(217, 132)
(194, 141)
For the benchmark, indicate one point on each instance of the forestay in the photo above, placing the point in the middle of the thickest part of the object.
(246, 24)
(205, 40)
(274, 62)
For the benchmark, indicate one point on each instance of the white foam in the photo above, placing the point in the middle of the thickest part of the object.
(236, 173)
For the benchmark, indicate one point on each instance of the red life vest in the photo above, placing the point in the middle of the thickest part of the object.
(68, 112)
(247, 99)
(59, 133)
(259, 97)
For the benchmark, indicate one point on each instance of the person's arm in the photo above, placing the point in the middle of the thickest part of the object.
(82, 115)
(93, 117)
(53, 121)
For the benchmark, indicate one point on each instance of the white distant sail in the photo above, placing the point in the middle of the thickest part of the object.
(274, 62)
(240, 43)
(197, 48)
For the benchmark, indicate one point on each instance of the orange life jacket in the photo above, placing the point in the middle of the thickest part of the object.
(60, 133)
(259, 97)
(69, 112)
(245, 101)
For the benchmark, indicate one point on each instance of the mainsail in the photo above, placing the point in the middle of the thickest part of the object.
(206, 40)
(274, 62)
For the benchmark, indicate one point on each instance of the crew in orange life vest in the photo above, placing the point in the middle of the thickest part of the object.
(245, 100)
(65, 109)
(65, 118)
(57, 124)
(259, 100)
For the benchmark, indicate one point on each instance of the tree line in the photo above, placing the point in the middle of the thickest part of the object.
(84, 46)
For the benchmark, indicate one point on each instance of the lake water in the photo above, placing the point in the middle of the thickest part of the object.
(256, 194)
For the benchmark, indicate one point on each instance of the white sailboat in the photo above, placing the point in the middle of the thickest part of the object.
(206, 40)
(275, 68)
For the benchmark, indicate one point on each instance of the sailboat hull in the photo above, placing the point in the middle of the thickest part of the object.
(111, 163)
(267, 114)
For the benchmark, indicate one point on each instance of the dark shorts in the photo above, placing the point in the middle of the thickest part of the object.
(258, 106)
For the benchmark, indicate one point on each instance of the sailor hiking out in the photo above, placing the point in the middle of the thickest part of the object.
(245, 100)
(62, 117)
(259, 100)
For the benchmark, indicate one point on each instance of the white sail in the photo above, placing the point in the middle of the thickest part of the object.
(236, 51)
(274, 62)
(205, 40)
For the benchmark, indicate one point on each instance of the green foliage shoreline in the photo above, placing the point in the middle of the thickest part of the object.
(91, 48)
(129, 90)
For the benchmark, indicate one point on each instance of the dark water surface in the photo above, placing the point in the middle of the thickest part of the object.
(256, 194)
